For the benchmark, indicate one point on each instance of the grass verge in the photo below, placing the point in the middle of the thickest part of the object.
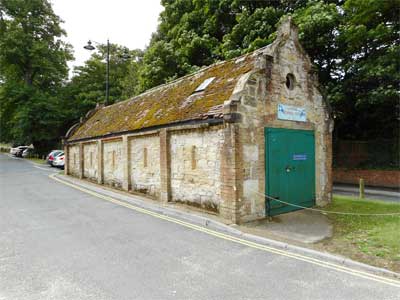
(374, 240)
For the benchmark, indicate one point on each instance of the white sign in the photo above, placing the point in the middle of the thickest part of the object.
(292, 113)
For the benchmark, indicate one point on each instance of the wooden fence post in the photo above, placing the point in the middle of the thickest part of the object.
(362, 191)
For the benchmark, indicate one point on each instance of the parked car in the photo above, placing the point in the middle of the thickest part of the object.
(28, 151)
(53, 154)
(59, 161)
(17, 151)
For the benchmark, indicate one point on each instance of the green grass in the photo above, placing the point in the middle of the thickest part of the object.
(374, 236)
(37, 160)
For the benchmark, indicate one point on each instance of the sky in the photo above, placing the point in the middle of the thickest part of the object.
(125, 22)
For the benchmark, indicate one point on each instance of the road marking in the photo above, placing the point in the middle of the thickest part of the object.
(51, 170)
(333, 266)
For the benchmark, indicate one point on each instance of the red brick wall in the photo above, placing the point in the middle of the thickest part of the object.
(371, 177)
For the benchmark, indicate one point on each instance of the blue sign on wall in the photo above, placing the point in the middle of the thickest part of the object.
(292, 113)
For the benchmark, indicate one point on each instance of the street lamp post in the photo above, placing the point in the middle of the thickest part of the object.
(108, 75)
(90, 47)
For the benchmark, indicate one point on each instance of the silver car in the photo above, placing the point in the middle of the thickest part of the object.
(52, 155)
(59, 161)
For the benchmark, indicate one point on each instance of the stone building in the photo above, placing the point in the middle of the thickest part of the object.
(221, 138)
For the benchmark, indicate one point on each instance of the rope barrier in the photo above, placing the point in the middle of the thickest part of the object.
(396, 214)
(315, 209)
(326, 211)
(312, 209)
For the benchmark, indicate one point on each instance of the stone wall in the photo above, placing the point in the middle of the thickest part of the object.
(255, 100)
(145, 164)
(251, 147)
(74, 160)
(195, 167)
(90, 160)
(113, 163)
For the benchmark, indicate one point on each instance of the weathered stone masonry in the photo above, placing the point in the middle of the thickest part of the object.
(207, 147)
(195, 166)
(90, 158)
(145, 164)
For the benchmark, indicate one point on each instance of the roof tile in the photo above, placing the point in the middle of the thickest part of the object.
(169, 103)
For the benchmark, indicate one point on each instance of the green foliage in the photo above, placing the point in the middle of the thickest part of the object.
(318, 29)
(159, 65)
(370, 51)
(31, 49)
(87, 86)
(33, 61)
(252, 31)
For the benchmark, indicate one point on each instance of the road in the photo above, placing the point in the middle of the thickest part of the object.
(59, 243)
(371, 193)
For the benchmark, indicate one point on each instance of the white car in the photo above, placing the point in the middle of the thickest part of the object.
(27, 152)
(17, 151)
(59, 161)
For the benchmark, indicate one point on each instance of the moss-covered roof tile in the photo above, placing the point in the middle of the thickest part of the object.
(169, 103)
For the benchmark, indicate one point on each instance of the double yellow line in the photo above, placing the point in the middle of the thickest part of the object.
(325, 264)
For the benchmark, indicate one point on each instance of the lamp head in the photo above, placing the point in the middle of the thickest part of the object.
(125, 55)
(89, 46)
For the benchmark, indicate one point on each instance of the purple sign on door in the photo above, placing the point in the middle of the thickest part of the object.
(299, 156)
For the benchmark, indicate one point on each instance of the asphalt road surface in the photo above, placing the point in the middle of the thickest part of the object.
(59, 243)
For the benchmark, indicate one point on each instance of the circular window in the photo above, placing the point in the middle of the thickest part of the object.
(290, 81)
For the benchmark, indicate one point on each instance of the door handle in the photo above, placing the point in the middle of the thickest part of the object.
(289, 168)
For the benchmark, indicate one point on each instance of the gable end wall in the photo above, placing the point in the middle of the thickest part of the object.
(257, 99)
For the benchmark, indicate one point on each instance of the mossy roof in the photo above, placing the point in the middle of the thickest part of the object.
(169, 103)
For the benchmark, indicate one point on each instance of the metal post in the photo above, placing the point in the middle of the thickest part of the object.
(107, 74)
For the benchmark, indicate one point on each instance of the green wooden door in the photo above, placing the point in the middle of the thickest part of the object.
(290, 169)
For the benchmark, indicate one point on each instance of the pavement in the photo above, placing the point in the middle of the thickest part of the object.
(61, 242)
(302, 226)
(373, 193)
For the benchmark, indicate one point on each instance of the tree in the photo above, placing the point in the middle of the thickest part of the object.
(253, 30)
(368, 94)
(353, 43)
(33, 61)
(88, 84)
(160, 64)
